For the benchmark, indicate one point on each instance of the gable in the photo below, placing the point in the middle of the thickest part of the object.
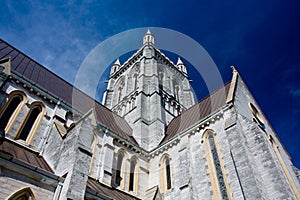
(198, 112)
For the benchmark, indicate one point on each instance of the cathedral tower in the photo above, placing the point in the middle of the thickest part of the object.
(148, 90)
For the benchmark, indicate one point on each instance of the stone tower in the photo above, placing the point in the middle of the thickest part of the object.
(157, 147)
(148, 90)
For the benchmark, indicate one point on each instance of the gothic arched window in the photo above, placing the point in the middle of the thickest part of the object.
(175, 89)
(31, 122)
(135, 81)
(215, 168)
(160, 79)
(23, 193)
(10, 110)
(121, 86)
(133, 176)
(166, 180)
(119, 170)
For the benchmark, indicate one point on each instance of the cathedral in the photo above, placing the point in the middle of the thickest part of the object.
(147, 140)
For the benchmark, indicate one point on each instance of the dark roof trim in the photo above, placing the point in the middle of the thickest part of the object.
(96, 188)
(6, 154)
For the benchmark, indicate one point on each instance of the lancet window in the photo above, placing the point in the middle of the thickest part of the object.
(133, 175)
(216, 171)
(30, 122)
(165, 168)
(10, 110)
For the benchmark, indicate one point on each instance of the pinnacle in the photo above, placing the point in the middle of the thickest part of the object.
(148, 38)
(233, 68)
(179, 62)
(117, 62)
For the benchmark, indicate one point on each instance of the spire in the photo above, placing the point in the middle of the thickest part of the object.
(148, 38)
(117, 62)
(115, 67)
(149, 32)
(179, 62)
(181, 66)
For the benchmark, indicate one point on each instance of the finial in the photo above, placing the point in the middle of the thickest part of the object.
(233, 68)
(115, 67)
(181, 66)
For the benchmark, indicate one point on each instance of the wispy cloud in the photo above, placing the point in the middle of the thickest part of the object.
(295, 92)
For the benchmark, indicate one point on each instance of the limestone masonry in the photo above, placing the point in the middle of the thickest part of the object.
(148, 139)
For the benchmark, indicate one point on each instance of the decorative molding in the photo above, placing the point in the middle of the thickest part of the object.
(230, 96)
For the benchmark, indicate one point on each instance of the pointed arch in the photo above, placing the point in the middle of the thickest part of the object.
(161, 77)
(176, 88)
(215, 168)
(11, 110)
(31, 122)
(133, 175)
(165, 173)
(134, 75)
(23, 193)
(120, 165)
(119, 92)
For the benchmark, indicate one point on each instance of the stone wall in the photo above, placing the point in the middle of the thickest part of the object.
(11, 182)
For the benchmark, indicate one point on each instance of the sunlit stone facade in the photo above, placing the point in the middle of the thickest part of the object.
(148, 139)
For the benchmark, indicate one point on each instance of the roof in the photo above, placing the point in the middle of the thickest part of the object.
(197, 112)
(29, 69)
(103, 190)
(15, 152)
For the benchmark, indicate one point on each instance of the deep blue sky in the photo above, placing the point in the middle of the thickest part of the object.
(261, 38)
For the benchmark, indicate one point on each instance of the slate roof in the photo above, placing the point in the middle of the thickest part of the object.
(22, 155)
(111, 193)
(31, 70)
(197, 112)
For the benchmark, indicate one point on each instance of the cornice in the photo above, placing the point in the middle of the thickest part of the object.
(46, 96)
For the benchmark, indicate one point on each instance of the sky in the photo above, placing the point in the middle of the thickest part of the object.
(260, 38)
